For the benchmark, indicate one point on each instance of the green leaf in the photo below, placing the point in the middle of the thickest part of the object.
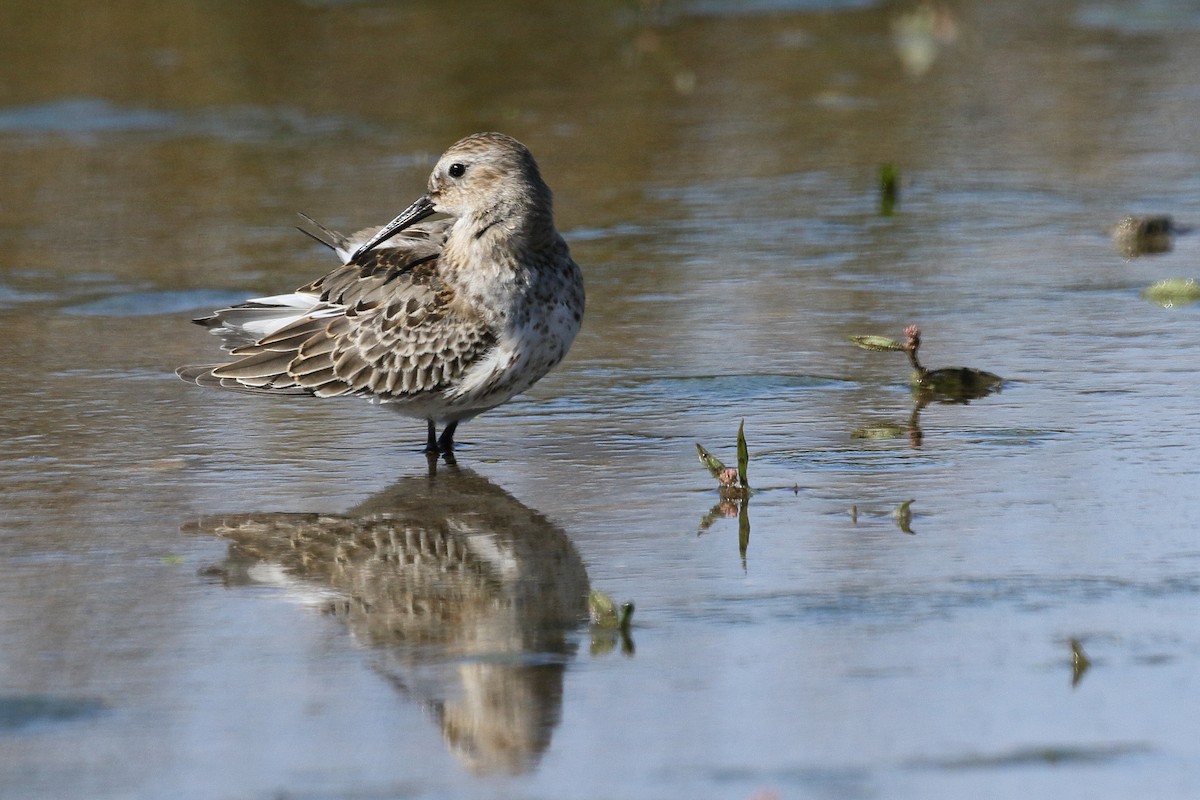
(1173, 292)
(879, 344)
(889, 189)
(711, 462)
(626, 617)
(743, 456)
(602, 610)
(903, 516)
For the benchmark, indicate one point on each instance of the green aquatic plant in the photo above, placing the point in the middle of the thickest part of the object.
(733, 482)
(1079, 662)
(889, 189)
(609, 624)
(1173, 292)
(951, 384)
(734, 488)
(879, 344)
(902, 514)
(604, 613)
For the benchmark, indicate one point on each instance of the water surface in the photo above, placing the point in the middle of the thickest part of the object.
(207, 595)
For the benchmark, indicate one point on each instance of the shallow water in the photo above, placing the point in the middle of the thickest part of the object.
(206, 595)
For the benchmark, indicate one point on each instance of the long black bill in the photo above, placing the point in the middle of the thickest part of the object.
(408, 217)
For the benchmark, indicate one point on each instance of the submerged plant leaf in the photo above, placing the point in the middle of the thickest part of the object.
(884, 431)
(889, 189)
(878, 344)
(743, 455)
(903, 516)
(1173, 292)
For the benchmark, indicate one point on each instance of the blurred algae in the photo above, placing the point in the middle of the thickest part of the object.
(1145, 236)
(1173, 292)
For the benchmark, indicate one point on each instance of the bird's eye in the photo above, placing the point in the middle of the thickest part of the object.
(457, 170)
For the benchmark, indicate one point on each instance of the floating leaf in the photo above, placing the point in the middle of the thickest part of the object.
(1173, 292)
(743, 456)
(879, 344)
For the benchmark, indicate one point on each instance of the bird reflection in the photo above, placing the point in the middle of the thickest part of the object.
(468, 597)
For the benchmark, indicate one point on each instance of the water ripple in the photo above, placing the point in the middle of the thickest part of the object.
(90, 117)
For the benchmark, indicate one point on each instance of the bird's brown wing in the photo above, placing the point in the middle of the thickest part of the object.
(348, 283)
(387, 326)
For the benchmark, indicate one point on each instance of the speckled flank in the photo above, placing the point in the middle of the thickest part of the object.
(441, 320)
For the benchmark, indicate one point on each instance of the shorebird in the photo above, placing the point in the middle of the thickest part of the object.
(441, 320)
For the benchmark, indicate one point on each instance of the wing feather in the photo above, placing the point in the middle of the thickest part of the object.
(385, 325)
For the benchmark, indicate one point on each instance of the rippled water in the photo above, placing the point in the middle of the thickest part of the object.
(205, 595)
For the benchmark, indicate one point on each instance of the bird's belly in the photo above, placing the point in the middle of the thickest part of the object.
(521, 357)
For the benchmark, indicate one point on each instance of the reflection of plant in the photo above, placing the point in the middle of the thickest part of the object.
(901, 515)
(951, 384)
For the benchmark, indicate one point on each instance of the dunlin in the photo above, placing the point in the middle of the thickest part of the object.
(441, 320)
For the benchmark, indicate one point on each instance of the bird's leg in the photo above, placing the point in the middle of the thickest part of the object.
(446, 442)
(431, 442)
